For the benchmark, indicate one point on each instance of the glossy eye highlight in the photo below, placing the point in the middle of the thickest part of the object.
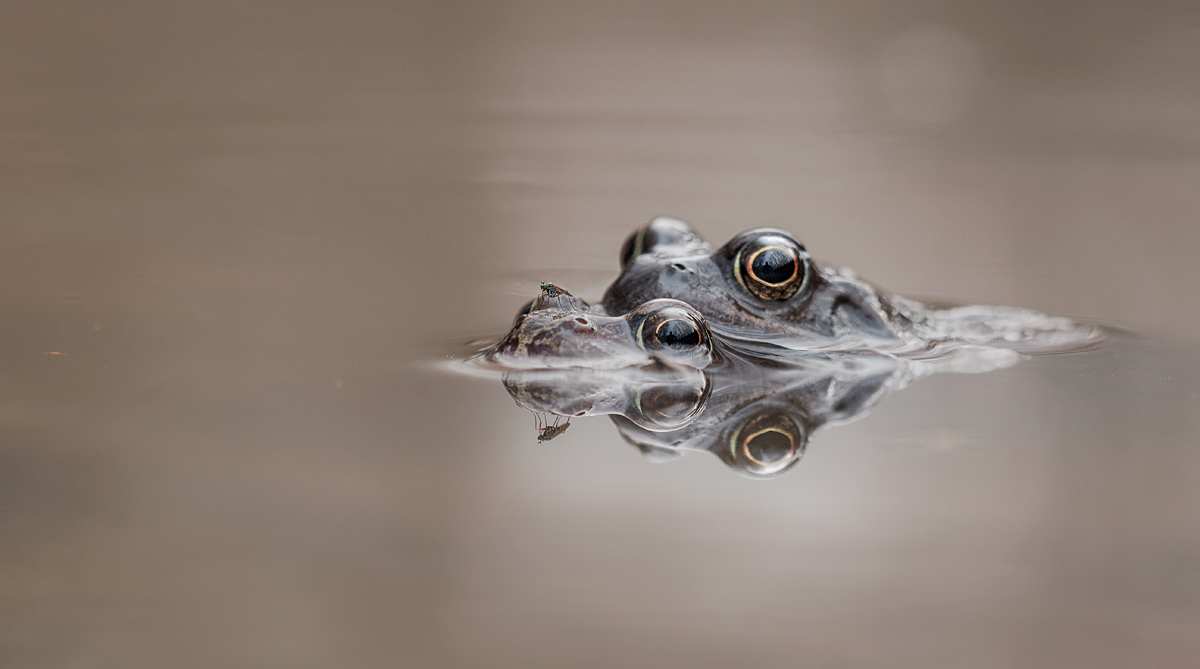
(771, 267)
(766, 445)
(668, 324)
(678, 333)
(673, 328)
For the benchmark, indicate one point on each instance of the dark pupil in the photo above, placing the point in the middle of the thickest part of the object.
(678, 334)
(769, 447)
(773, 266)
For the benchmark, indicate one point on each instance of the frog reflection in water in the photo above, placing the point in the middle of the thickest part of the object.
(671, 385)
(767, 348)
(756, 419)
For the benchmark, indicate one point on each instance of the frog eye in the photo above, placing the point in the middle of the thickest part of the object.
(524, 311)
(772, 267)
(766, 445)
(677, 333)
(671, 325)
(669, 406)
(659, 234)
(632, 247)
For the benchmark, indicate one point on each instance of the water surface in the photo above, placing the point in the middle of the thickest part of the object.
(234, 237)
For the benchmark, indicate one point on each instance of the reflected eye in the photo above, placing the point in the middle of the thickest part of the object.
(668, 403)
(766, 444)
(669, 406)
(771, 267)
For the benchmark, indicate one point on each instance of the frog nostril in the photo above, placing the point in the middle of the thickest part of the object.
(679, 267)
(580, 325)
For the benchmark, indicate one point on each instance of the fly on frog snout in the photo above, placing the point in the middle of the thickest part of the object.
(551, 290)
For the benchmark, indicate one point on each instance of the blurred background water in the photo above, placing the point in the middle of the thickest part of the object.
(234, 234)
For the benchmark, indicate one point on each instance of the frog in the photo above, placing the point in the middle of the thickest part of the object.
(559, 330)
(672, 384)
(763, 286)
(565, 358)
(744, 350)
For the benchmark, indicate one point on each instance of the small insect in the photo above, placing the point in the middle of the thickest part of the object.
(552, 431)
(551, 290)
(549, 430)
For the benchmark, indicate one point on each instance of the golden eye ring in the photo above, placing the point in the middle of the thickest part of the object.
(755, 449)
(790, 252)
(670, 326)
(750, 456)
(782, 252)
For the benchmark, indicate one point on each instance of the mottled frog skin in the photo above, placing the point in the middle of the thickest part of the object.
(671, 385)
(559, 330)
(763, 286)
(743, 351)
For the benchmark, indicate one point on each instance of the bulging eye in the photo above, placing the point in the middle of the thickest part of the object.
(658, 235)
(632, 247)
(670, 325)
(766, 445)
(772, 267)
(524, 311)
(678, 333)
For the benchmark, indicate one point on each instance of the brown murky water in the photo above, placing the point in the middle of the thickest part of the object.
(233, 235)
